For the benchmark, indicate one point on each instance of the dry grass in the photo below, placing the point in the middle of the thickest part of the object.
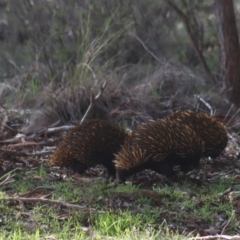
(49, 71)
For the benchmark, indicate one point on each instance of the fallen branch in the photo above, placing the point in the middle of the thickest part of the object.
(50, 201)
(59, 129)
(216, 237)
(43, 152)
(13, 153)
(18, 138)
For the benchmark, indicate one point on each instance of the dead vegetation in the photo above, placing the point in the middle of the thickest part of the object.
(208, 197)
(52, 72)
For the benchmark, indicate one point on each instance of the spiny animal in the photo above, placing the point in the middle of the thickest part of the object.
(159, 145)
(211, 131)
(90, 143)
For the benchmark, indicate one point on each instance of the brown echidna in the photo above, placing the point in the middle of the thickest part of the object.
(91, 143)
(159, 145)
(212, 132)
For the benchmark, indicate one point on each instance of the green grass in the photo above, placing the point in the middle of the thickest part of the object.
(104, 214)
(78, 48)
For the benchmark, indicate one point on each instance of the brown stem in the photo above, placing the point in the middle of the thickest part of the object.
(93, 101)
(50, 201)
(193, 39)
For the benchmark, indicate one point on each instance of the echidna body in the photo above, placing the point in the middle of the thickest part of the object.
(211, 131)
(159, 145)
(91, 143)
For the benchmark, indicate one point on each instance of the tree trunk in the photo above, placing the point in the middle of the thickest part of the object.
(230, 49)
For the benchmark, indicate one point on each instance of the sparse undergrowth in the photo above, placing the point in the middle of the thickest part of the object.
(38, 202)
(49, 71)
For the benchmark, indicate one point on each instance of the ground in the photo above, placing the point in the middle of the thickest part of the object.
(38, 201)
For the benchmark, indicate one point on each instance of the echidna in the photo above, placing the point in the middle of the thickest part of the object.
(91, 143)
(211, 131)
(159, 145)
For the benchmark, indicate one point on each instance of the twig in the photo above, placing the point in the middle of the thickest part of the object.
(216, 237)
(43, 152)
(233, 117)
(6, 180)
(50, 201)
(12, 152)
(93, 101)
(205, 103)
(94, 75)
(51, 126)
(18, 111)
(192, 37)
(228, 222)
(17, 138)
(229, 110)
(236, 123)
(24, 154)
(8, 176)
(146, 48)
(59, 129)
(4, 123)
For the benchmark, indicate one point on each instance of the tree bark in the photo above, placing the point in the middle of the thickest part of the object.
(230, 49)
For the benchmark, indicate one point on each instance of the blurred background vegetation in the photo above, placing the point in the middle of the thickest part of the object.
(56, 53)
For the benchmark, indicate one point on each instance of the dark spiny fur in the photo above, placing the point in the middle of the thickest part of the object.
(211, 131)
(159, 145)
(90, 143)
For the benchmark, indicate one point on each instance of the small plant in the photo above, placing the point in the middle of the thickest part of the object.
(112, 224)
